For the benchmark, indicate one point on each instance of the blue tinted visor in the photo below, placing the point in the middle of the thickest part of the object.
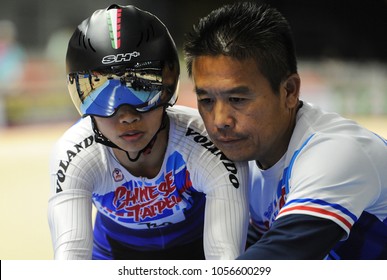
(101, 94)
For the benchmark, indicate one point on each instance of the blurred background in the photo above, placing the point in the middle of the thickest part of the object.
(342, 51)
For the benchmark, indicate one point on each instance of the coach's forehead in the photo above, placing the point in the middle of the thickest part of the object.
(223, 72)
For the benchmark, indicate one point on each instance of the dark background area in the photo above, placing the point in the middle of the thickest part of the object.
(354, 29)
(341, 46)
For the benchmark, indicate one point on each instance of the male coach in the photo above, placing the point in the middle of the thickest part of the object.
(318, 181)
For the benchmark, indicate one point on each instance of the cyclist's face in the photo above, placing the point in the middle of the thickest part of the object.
(129, 129)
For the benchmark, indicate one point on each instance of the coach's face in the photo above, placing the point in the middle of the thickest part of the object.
(242, 114)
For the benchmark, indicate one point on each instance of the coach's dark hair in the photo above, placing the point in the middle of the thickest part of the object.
(245, 30)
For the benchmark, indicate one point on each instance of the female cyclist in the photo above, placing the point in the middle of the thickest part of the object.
(161, 189)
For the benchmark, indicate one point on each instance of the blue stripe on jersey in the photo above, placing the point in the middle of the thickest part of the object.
(287, 175)
(381, 138)
(324, 203)
(288, 170)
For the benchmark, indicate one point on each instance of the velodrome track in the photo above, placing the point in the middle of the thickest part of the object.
(24, 187)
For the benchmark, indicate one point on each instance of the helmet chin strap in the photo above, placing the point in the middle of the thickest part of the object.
(100, 138)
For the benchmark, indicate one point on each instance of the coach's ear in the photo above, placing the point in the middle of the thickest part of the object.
(291, 87)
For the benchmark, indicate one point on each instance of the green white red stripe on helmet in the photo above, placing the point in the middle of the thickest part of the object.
(114, 22)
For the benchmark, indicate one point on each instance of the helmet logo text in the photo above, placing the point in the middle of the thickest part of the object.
(121, 57)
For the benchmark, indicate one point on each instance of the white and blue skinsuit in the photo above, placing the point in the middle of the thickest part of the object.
(198, 193)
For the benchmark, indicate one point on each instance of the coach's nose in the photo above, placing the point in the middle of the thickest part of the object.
(222, 115)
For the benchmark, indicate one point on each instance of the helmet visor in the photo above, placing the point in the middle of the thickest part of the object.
(101, 93)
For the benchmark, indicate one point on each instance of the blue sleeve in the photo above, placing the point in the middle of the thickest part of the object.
(296, 237)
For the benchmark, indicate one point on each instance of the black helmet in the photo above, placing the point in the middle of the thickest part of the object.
(121, 55)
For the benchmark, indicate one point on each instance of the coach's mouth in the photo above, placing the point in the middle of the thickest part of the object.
(227, 141)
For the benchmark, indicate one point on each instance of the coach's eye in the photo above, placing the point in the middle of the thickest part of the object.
(236, 100)
(205, 101)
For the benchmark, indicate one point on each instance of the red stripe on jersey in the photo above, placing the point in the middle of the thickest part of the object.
(318, 210)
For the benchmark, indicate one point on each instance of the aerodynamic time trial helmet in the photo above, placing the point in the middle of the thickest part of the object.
(121, 55)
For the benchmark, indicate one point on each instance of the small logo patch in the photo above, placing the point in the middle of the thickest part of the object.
(117, 175)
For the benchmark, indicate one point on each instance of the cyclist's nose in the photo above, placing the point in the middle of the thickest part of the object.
(127, 114)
